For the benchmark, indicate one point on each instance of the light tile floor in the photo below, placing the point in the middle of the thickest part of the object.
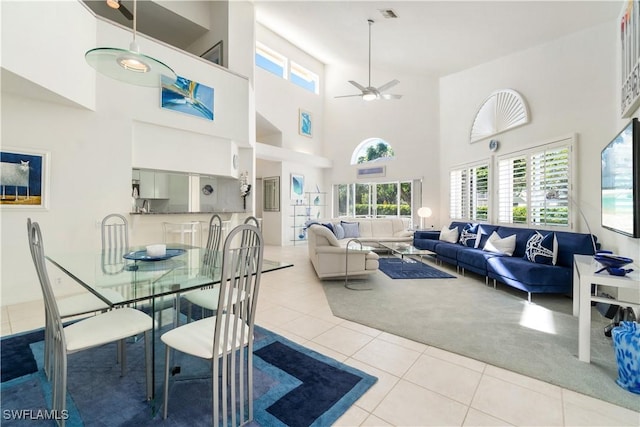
(417, 385)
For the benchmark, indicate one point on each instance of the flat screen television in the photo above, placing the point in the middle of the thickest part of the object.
(620, 175)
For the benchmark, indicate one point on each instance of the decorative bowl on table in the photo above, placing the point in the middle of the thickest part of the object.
(611, 260)
(613, 263)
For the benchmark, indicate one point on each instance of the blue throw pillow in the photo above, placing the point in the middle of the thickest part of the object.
(338, 230)
(329, 226)
(542, 249)
(469, 236)
(351, 229)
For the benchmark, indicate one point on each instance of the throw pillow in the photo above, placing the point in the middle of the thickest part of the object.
(329, 226)
(501, 245)
(542, 249)
(338, 230)
(447, 235)
(351, 229)
(469, 236)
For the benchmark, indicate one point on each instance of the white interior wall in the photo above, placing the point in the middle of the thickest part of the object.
(279, 101)
(23, 25)
(410, 125)
(91, 151)
(570, 86)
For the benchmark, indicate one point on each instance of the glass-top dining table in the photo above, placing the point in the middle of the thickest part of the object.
(148, 284)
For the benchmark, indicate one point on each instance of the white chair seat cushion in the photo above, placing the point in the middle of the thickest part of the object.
(208, 298)
(86, 303)
(104, 328)
(196, 338)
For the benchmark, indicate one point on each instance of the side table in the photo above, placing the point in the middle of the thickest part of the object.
(584, 275)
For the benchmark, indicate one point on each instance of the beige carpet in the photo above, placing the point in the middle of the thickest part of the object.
(498, 327)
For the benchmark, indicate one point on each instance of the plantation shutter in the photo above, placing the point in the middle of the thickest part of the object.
(455, 194)
(479, 196)
(469, 193)
(549, 187)
(533, 187)
(512, 190)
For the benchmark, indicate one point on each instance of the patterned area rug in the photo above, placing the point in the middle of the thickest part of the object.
(293, 386)
(410, 269)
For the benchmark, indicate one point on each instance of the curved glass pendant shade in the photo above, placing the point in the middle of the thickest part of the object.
(128, 66)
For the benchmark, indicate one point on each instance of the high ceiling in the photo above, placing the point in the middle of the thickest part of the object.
(439, 37)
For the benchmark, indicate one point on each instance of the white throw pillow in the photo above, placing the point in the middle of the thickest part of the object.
(501, 245)
(447, 235)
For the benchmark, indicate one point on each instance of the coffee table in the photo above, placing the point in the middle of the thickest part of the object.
(406, 250)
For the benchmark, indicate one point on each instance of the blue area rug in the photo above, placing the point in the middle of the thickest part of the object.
(293, 386)
(410, 269)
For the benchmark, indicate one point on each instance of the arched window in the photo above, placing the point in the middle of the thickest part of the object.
(372, 150)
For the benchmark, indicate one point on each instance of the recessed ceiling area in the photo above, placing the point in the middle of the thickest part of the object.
(154, 20)
(435, 37)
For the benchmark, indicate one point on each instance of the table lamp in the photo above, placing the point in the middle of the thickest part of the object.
(423, 213)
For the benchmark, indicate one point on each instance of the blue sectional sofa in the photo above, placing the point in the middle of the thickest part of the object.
(515, 270)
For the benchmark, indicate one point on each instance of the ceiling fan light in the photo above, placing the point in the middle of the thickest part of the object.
(370, 96)
(114, 4)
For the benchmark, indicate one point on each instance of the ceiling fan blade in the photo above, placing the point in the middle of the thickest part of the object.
(390, 96)
(389, 85)
(126, 12)
(347, 96)
(358, 85)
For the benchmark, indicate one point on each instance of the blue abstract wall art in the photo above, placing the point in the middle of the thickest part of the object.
(188, 97)
(305, 128)
(297, 186)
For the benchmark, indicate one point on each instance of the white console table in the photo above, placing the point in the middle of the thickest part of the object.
(584, 275)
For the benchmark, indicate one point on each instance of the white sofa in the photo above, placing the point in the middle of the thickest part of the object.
(372, 231)
(328, 254)
(329, 259)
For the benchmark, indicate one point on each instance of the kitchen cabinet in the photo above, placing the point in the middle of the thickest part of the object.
(154, 185)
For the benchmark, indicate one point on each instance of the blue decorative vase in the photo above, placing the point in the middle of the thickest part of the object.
(626, 342)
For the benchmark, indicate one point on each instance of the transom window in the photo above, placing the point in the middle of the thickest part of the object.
(271, 61)
(279, 65)
(372, 150)
(304, 78)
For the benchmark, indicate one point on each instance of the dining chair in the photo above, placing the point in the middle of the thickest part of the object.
(252, 220)
(183, 232)
(224, 337)
(115, 243)
(206, 298)
(110, 326)
(70, 306)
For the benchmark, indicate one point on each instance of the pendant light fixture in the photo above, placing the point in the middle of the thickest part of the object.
(129, 66)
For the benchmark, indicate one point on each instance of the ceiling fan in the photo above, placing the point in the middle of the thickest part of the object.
(117, 4)
(371, 93)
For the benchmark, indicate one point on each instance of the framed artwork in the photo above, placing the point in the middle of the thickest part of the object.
(629, 57)
(214, 54)
(24, 178)
(305, 123)
(297, 186)
(187, 97)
